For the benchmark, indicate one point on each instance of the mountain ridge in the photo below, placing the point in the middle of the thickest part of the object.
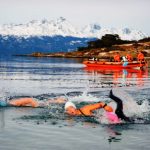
(12, 45)
(63, 27)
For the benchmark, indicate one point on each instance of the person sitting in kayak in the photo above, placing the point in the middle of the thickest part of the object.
(117, 57)
(87, 110)
(27, 101)
(140, 57)
(125, 61)
(129, 57)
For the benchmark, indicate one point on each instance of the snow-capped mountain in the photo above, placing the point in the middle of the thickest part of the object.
(40, 28)
(63, 27)
(95, 30)
(54, 36)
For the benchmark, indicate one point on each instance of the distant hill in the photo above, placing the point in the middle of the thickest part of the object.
(106, 41)
(12, 45)
(105, 48)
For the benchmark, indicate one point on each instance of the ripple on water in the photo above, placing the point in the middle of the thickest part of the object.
(28, 128)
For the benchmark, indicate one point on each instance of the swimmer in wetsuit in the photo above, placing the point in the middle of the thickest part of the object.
(113, 115)
(119, 109)
(31, 102)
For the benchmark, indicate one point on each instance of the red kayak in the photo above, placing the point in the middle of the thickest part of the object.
(115, 65)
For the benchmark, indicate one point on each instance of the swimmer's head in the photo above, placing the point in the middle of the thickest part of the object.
(70, 108)
(69, 104)
(112, 117)
(3, 103)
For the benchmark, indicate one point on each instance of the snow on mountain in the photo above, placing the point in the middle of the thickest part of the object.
(40, 28)
(62, 27)
(91, 29)
(95, 30)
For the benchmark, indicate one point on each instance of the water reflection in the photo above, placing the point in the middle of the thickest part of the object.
(2, 119)
(119, 77)
(113, 135)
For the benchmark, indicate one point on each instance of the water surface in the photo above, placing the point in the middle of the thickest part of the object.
(49, 128)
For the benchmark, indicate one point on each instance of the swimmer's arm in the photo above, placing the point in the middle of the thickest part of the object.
(56, 101)
(24, 102)
(92, 107)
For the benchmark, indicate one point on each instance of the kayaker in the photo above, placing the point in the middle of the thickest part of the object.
(129, 57)
(125, 61)
(28, 101)
(140, 57)
(117, 57)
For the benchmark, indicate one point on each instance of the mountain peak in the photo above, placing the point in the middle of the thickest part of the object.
(33, 21)
(44, 21)
(126, 30)
(61, 19)
(95, 26)
(63, 27)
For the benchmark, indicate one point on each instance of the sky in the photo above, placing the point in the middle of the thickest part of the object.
(134, 14)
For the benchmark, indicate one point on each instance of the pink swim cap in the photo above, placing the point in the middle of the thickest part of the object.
(112, 117)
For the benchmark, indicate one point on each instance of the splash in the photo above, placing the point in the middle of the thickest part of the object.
(130, 105)
(84, 97)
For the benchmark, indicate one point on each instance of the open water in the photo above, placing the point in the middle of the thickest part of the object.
(28, 128)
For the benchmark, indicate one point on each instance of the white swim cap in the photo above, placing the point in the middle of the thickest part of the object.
(68, 104)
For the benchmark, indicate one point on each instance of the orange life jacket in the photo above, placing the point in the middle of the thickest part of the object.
(140, 56)
(117, 58)
(129, 57)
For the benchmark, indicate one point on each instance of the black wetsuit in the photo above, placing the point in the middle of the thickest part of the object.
(119, 109)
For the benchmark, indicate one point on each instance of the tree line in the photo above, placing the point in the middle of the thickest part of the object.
(107, 41)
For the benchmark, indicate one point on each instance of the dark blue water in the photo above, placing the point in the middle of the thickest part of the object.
(49, 128)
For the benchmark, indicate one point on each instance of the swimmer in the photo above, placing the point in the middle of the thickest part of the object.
(86, 110)
(31, 102)
(119, 108)
(112, 114)
(117, 116)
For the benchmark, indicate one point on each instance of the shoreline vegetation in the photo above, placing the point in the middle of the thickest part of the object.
(103, 48)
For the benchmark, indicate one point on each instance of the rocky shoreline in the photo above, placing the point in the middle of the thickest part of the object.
(100, 53)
